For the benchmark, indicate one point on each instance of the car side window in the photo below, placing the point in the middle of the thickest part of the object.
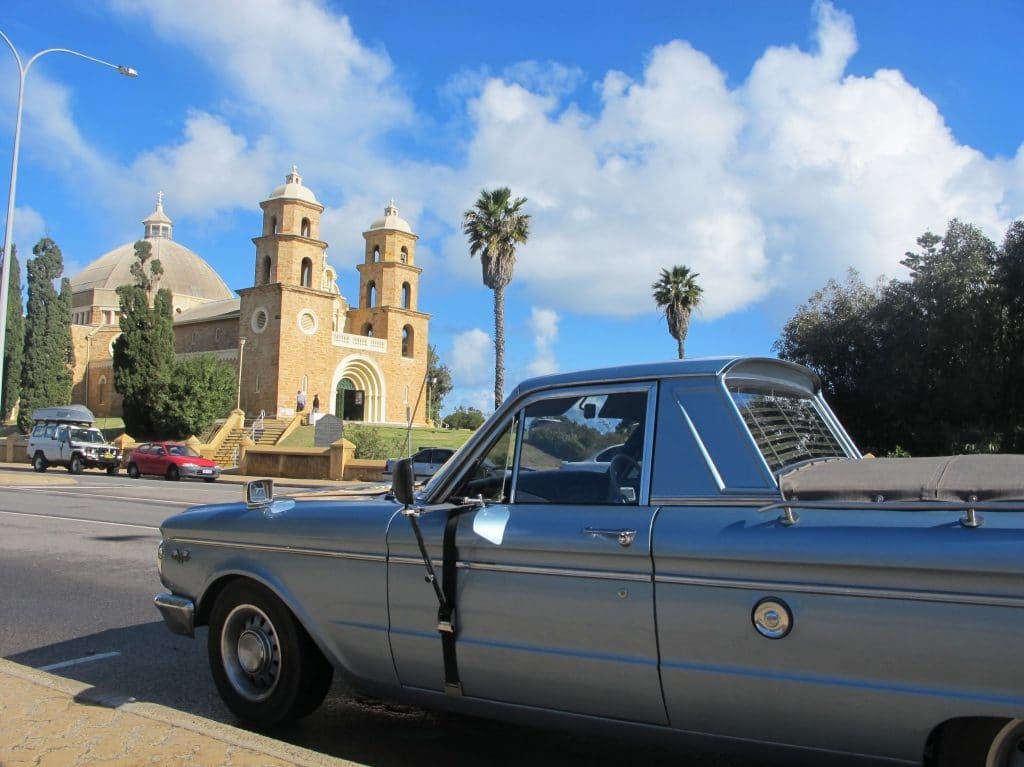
(50, 431)
(38, 430)
(490, 476)
(583, 449)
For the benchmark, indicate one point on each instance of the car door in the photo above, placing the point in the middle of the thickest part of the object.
(555, 591)
(158, 459)
(140, 457)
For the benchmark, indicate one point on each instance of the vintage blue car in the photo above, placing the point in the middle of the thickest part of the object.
(735, 572)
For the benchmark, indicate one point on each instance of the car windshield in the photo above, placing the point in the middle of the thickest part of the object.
(79, 434)
(182, 450)
(786, 426)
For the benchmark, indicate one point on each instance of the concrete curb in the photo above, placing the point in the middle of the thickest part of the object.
(224, 733)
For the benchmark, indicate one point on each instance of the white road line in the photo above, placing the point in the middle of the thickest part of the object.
(133, 499)
(79, 519)
(78, 661)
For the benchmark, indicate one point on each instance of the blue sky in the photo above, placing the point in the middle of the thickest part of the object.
(768, 146)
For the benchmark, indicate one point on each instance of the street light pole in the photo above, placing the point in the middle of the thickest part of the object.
(5, 271)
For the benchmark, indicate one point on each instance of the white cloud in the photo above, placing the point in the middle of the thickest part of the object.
(213, 169)
(766, 189)
(29, 228)
(293, 62)
(544, 325)
(472, 358)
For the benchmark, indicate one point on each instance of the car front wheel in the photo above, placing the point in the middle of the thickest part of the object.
(39, 461)
(266, 668)
(75, 465)
(173, 474)
(980, 743)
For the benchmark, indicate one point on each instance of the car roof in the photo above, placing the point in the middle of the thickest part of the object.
(697, 366)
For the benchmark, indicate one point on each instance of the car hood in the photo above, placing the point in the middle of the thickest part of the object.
(355, 524)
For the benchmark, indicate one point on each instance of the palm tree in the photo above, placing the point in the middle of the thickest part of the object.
(678, 293)
(495, 225)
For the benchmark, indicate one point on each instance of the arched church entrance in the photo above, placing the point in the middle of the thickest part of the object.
(350, 402)
(359, 390)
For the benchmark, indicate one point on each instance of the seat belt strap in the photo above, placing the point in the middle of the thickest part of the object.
(446, 611)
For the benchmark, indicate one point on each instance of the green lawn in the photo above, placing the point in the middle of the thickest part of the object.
(303, 436)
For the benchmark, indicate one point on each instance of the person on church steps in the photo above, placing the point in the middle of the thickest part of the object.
(300, 401)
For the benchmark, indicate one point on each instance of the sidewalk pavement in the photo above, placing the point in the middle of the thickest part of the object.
(50, 721)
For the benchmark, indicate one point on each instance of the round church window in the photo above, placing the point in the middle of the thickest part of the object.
(259, 320)
(308, 322)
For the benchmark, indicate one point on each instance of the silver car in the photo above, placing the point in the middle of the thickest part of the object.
(736, 573)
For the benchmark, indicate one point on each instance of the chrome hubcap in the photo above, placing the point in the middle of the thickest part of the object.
(251, 652)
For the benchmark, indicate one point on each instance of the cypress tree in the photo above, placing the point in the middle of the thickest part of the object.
(143, 357)
(14, 344)
(46, 370)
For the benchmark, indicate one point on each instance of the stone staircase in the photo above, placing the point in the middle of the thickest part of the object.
(268, 434)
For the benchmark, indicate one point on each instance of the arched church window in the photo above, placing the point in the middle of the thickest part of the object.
(101, 390)
(306, 278)
(371, 294)
(406, 295)
(266, 271)
(404, 255)
(376, 254)
(272, 229)
(407, 339)
(305, 227)
(368, 330)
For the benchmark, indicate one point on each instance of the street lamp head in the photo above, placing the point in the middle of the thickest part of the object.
(127, 71)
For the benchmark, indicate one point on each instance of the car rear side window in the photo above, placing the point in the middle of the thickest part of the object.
(786, 427)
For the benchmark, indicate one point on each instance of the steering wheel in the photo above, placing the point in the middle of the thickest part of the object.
(621, 466)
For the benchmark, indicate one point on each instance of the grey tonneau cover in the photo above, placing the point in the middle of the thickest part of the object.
(943, 478)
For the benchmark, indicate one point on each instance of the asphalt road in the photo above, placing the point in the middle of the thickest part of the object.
(78, 568)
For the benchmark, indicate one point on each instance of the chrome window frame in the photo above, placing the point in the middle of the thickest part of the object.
(817, 402)
(649, 388)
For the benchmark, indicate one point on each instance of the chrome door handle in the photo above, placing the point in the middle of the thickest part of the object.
(624, 537)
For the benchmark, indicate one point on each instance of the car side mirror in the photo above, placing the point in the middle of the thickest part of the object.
(402, 480)
(259, 492)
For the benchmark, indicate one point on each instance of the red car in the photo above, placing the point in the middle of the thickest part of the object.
(171, 460)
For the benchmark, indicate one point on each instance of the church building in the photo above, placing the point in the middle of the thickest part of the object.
(291, 331)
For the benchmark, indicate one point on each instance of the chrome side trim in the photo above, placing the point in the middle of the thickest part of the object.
(563, 572)
(725, 500)
(861, 592)
(702, 447)
(284, 550)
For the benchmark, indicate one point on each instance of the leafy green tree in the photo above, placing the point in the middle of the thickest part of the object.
(834, 335)
(678, 294)
(440, 378)
(1009, 300)
(46, 370)
(201, 390)
(144, 358)
(146, 279)
(464, 418)
(495, 226)
(931, 364)
(14, 343)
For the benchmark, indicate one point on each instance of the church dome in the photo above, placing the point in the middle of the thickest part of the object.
(391, 220)
(293, 189)
(186, 274)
